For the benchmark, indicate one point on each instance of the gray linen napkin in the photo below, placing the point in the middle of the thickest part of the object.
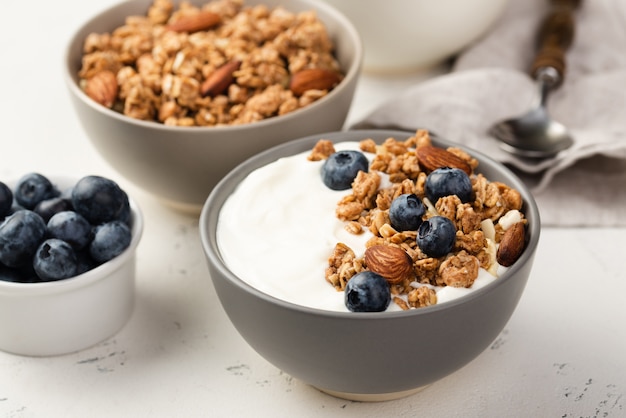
(582, 186)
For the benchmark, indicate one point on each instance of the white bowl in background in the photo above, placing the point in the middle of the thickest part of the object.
(404, 35)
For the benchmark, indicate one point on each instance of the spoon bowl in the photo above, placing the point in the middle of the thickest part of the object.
(535, 134)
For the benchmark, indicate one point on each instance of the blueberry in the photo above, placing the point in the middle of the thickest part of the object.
(27, 274)
(436, 236)
(20, 234)
(8, 274)
(55, 260)
(341, 168)
(405, 212)
(84, 261)
(70, 227)
(99, 199)
(126, 214)
(446, 181)
(109, 241)
(6, 200)
(367, 292)
(32, 188)
(47, 208)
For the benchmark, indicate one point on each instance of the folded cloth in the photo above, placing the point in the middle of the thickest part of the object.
(584, 185)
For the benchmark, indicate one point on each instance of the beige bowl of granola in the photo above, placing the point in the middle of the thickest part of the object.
(174, 95)
(278, 290)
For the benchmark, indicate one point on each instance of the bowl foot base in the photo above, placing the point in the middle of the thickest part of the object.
(372, 397)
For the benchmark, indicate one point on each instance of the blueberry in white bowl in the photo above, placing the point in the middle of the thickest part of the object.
(65, 286)
(340, 169)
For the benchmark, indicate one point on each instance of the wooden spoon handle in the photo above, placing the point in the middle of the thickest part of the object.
(555, 36)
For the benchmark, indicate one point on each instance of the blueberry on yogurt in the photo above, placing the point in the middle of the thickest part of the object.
(341, 168)
(405, 212)
(367, 292)
(436, 236)
(446, 181)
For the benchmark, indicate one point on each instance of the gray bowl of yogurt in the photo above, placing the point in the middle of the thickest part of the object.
(268, 230)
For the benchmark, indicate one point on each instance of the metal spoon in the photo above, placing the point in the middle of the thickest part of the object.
(535, 134)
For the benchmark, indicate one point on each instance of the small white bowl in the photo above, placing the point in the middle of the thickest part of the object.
(64, 316)
(403, 35)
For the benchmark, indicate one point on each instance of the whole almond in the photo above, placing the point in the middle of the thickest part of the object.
(202, 20)
(313, 79)
(220, 79)
(102, 88)
(511, 244)
(432, 158)
(393, 263)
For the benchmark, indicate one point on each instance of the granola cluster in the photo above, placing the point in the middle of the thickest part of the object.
(161, 63)
(395, 170)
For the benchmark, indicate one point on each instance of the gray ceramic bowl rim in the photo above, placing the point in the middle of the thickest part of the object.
(94, 275)
(210, 212)
(352, 72)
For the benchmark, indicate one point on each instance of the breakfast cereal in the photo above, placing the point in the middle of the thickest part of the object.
(222, 63)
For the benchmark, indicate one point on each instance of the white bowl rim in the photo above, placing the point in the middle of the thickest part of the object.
(352, 72)
(87, 278)
(211, 208)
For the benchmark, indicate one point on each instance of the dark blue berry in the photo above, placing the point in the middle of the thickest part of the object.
(6, 200)
(126, 216)
(405, 212)
(20, 234)
(446, 181)
(436, 236)
(32, 188)
(367, 292)
(27, 274)
(70, 227)
(55, 260)
(109, 241)
(99, 199)
(8, 274)
(341, 168)
(49, 207)
(84, 261)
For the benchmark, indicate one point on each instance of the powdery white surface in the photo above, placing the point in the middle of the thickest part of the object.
(278, 228)
(560, 355)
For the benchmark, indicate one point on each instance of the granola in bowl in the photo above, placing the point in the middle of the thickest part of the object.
(271, 282)
(219, 64)
(347, 232)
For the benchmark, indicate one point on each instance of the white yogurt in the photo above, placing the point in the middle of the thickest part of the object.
(278, 228)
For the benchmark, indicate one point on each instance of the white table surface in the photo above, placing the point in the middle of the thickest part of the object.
(563, 353)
